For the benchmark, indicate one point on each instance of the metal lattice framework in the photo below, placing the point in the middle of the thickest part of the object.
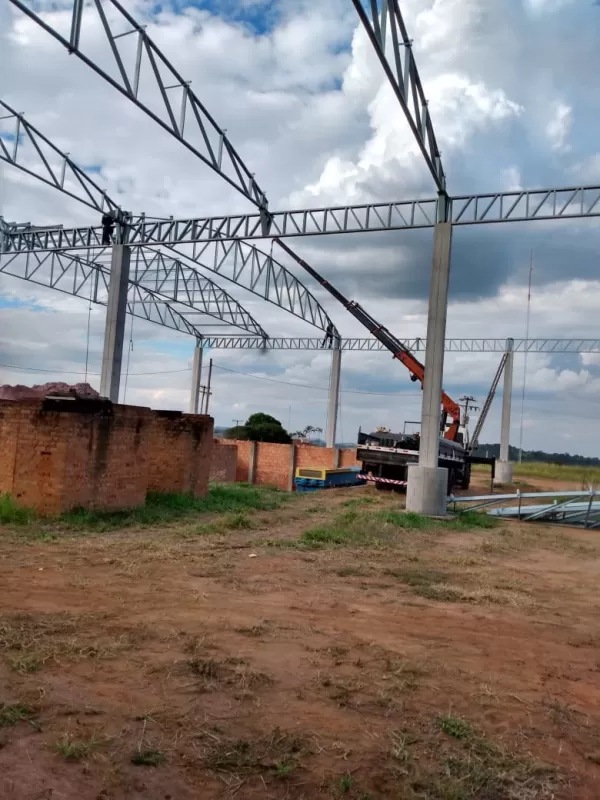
(238, 262)
(517, 206)
(140, 71)
(25, 147)
(261, 274)
(385, 27)
(416, 345)
(183, 298)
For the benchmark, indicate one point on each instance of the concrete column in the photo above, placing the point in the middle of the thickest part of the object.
(114, 332)
(504, 467)
(196, 379)
(252, 462)
(334, 395)
(292, 473)
(427, 483)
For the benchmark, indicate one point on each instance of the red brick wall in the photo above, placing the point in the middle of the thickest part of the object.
(9, 415)
(89, 455)
(307, 455)
(348, 457)
(242, 473)
(179, 452)
(223, 462)
(272, 462)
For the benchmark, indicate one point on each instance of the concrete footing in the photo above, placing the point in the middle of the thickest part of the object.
(427, 490)
(504, 472)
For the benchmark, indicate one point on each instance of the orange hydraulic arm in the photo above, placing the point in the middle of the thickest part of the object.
(383, 335)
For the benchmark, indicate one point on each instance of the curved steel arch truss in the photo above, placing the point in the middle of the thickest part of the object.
(239, 262)
(140, 71)
(184, 312)
(258, 272)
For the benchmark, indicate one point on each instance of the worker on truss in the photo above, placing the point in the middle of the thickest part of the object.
(108, 227)
(329, 334)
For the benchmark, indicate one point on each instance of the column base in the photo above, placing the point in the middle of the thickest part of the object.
(427, 490)
(504, 472)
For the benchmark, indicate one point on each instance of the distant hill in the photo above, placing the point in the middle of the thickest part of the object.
(493, 451)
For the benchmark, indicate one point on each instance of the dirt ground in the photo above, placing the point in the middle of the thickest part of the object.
(171, 663)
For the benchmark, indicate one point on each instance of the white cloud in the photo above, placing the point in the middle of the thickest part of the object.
(306, 105)
(559, 127)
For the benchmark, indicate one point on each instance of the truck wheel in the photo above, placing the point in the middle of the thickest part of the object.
(466, 477)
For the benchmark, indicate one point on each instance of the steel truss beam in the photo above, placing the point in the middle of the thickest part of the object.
(260, 273)
(140, 71)
(30, 151)
(416, 345)
(178, 298)
(385, 28)
(521, 206)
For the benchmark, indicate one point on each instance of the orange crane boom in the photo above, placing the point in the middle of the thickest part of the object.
(383, 335)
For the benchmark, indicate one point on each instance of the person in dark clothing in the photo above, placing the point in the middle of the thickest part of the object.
(108, 227)
(328, 338)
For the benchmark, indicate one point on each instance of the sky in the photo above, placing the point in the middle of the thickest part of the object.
(306, 105)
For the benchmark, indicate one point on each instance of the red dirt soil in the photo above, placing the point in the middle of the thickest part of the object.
(301, 673)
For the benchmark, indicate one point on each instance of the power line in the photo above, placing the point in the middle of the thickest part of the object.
(225, 369)
(76, 372)
(307, 386)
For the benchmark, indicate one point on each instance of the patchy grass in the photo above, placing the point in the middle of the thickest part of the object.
(232, 500)
(11, 714)
(236, 521)
(276, 752)
(454, 726)
(148, 758)
(12, 514)
(29, 641)
(163, 508)
(75, 749)
(379, 528)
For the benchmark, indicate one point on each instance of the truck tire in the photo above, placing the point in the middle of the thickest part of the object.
(465, 480)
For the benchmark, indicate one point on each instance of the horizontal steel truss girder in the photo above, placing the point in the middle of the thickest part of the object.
(416, 345)
(176, 297)
(140, 71)
(521, 206)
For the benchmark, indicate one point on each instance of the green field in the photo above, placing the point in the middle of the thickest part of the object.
(554, 472)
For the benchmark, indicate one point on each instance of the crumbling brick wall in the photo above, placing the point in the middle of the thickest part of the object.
(223, 461)
(179, 452)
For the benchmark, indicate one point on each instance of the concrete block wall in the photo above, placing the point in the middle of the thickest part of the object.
(179, 452)
(223, 462)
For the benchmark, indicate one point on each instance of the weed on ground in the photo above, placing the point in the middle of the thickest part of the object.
(380, 528)
(30, 641)
(161, 508)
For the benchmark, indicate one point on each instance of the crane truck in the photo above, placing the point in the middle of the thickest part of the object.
(386, 456)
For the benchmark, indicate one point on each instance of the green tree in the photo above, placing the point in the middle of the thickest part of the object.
(260, 428)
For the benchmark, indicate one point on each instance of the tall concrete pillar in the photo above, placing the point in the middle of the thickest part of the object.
(504, 467)
(334, 395)
(427, 483)
(114, 331)
(196, 379)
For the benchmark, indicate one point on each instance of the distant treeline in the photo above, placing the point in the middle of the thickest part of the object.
(493, 451)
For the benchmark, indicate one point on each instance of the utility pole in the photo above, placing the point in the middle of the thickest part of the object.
(469, 405)
(208, 392)
(237, 422)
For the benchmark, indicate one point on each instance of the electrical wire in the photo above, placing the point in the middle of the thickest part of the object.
(225, 369)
